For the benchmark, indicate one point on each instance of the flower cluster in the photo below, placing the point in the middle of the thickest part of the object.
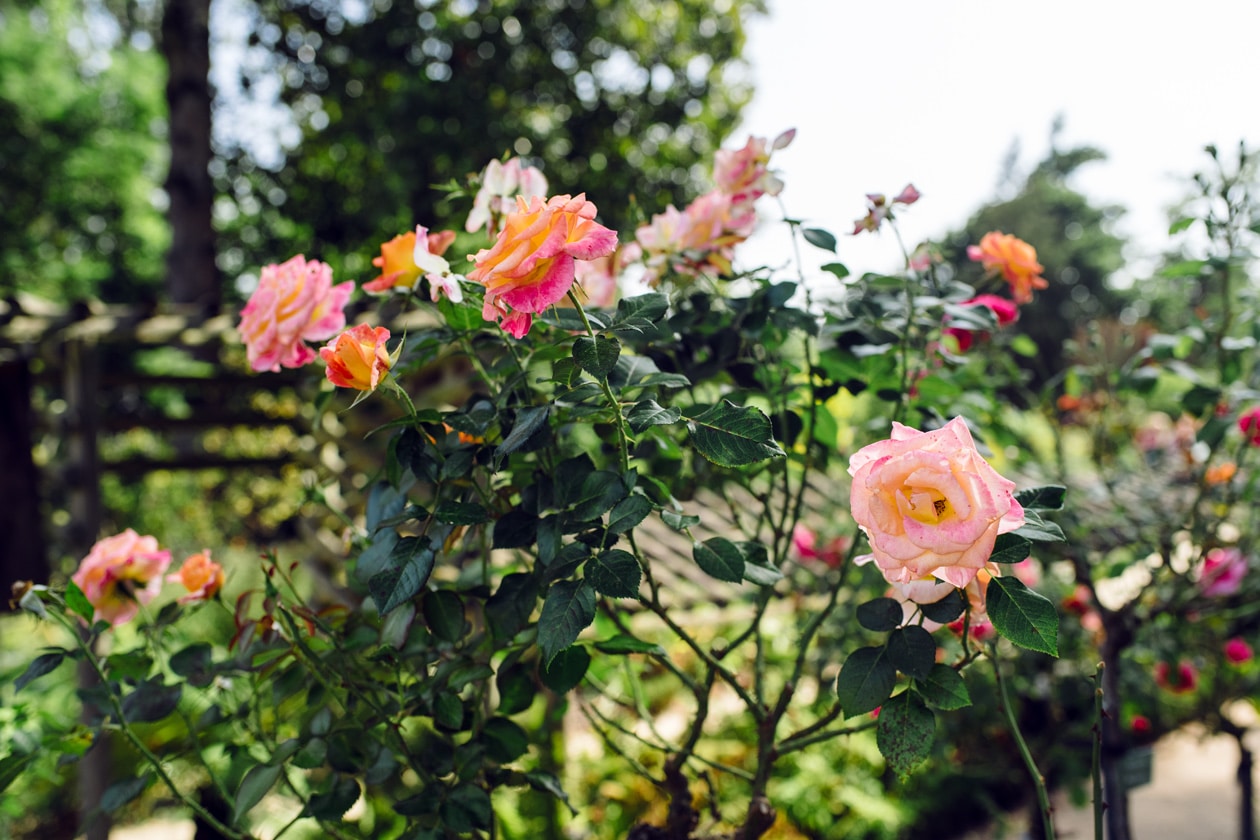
(879, 208)
(700, 239)
(124, 572)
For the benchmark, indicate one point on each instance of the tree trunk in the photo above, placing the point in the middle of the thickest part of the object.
(1115, 796)
(191, 275)
(22, 552)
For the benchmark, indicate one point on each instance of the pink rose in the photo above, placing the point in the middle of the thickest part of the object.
(295, 302)
(805, 542)
(120, 573)
(1249, 425)
(1237, 651)
(1222, 572)
(1182, 681)
(530, 266)
(930, 505)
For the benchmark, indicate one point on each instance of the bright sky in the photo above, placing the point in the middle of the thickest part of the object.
(934, 92)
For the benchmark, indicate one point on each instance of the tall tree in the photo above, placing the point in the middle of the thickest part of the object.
(191, 275)
(617, 98)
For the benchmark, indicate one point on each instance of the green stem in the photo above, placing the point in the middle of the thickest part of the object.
(1039, 781)
(1096, 764)
(623, 441)
(139, 745)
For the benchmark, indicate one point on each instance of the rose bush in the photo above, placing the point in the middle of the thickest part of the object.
(550, 536)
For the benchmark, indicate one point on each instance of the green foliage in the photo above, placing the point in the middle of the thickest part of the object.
(619, 100)
(82, 158)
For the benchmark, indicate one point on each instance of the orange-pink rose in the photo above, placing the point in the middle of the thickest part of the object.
(120, 573)
(357, 358)
(531, 265)
(930, 504)
(407, 256)
(295, 302)
(201, 576)
(1014, 258)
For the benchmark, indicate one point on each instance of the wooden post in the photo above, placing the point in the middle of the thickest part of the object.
(22, 547)
(81, 381)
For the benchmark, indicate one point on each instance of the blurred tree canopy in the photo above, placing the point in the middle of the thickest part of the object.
(380, 100)
(1074, 245)
(620, 99)
(82, 155)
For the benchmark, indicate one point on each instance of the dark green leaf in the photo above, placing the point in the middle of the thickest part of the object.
(253, 788)
(1038, 529)
(597, 356)
(1049, 497)
(192, 661)
(1010, 548)
(649, 307)
(460, 317)
(880, 615)
(78, 602)
(733, 436)
(566, 669)
(614, 573)
(647, 413)
(120, 793)
(448, 711)
(1023, 616)
(43, 664)
(509, 609)
(461, 513)
(946, 609)
(720, 558)
(333, 803)
(444, 614)
(411, 564)
(467, 808)
(311, 755)
(548, 783)
(678, 521)
(505, 741)
(628, 513)
(515, 529)
(628, 644)
(905, 732)
(599, 492)
(944, 688)
(528, 421)
(11, 766)
(129, 665)
(422, 804)
(516, 689)
(912, 650)
(819, 238)
(840, 270)
(568, 609)
(866, 679)
(151, 701)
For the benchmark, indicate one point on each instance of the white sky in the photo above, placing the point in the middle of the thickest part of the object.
(934, 92)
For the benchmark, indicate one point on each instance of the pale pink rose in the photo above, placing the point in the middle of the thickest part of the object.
(930, 505)
(1222, 572)
(597, 279)
(500, 184)
(120, 573)
(530, 267)
(744, 174)
(295, 302)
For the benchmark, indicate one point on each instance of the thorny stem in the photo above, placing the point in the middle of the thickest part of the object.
(1096, 763)
(623, 442)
